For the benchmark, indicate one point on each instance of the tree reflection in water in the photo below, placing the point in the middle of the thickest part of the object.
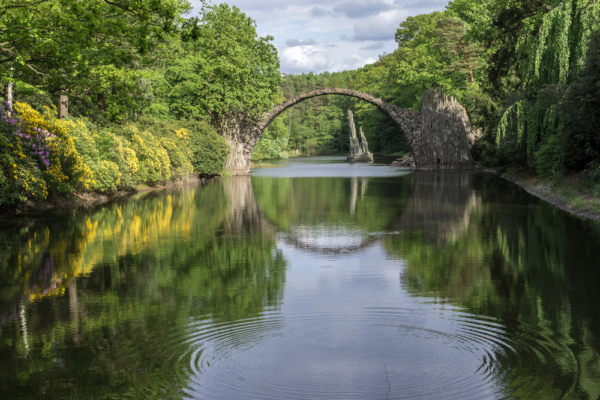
(475, 241)
(86, 298)
(121, 300)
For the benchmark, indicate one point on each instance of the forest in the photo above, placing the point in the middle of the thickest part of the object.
(527, 72)
(103, 95)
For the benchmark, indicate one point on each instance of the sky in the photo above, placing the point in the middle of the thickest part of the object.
(324, 35)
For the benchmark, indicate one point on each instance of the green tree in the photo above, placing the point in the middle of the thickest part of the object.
(61, 44)
(224, 67)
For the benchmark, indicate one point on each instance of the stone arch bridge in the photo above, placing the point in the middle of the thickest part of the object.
(437, 134)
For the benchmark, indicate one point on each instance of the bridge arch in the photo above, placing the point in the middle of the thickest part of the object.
(406, 119)
(438, 134)
(242, 144)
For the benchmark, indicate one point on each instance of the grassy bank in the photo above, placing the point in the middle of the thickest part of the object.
(258, 165)
(575, 193)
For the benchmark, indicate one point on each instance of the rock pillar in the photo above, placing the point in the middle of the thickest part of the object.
(359, 151)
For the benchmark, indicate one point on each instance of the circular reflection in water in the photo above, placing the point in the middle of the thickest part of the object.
(378, 353)
(328, 238)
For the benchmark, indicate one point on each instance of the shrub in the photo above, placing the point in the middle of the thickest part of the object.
(154, 163)
(549, 158)
(66, 169)
(173, 138)
(20, 172)
(101, 174)
(269, 147)
(206, 150)
(179, 154)
(116, 149)
(107, 176)
(209, 150)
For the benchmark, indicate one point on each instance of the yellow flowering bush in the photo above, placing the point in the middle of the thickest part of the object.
(117, 149)
(154, 163)
(39, 153)
(101, 173)
(182, 134)
(108, 176)
(20, 180)
(179, 155)
(21, 157)
(66, 168)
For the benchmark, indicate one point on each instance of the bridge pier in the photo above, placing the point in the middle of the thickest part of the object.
(445, 129)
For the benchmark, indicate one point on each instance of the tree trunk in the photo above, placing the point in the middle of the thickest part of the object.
(64, 106)
(101, 101)
(9, 91)
(9, 94)
(471, 73)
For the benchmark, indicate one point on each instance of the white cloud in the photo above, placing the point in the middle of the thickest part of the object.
(305, 59)
(351, 31)
(377, 28)
(355, 61)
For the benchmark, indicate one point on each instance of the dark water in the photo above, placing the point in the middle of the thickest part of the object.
(318, 280)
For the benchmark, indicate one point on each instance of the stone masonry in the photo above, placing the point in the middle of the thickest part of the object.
(442, 142)
(445, 129)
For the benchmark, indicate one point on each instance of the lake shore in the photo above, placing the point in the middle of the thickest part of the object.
(265, 165)
(89, 199)
(569, 193)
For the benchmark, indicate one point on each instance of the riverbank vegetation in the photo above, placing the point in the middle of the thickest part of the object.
(104, 95)
(139, 89)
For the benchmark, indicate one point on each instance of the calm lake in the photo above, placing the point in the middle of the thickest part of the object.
(318, 280)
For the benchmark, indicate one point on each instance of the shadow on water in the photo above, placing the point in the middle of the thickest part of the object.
(460, 284)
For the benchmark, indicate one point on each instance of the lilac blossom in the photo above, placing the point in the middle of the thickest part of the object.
(35, 146)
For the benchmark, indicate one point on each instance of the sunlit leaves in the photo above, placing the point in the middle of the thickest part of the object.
(223, 67)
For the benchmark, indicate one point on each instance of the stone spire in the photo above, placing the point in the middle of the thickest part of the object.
(359, 151)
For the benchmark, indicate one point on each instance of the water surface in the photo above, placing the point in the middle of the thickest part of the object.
(317, 280)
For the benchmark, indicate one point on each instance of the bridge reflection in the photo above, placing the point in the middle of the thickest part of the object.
(326, 215)
(440, 206)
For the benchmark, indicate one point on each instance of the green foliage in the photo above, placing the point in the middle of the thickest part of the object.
(173, 137)
(549, 158)
(68, 45)
(154, 163)
(226, 68)
(209, 150)
(551, 49)
(580, 112)
(314, 126)
(117, 149)
(270, 148)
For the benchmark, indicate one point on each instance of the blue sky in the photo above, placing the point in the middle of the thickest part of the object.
(337, 35)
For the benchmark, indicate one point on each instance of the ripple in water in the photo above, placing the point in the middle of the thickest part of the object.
(394, 353)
